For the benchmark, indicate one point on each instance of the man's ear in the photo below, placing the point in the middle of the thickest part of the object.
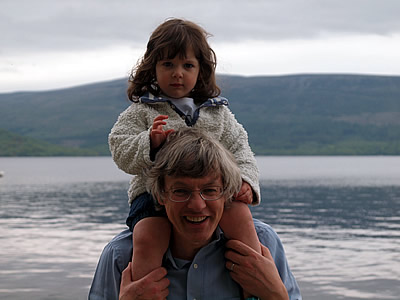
(160, 199)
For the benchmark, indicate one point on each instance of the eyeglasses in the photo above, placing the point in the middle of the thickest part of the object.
(210, 193)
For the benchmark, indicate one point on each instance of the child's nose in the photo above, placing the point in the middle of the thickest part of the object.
(178, 72)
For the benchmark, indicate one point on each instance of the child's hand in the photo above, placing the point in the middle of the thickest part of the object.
(157, 134)
(245, 194)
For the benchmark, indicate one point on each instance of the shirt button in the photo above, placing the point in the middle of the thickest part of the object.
(195, 266)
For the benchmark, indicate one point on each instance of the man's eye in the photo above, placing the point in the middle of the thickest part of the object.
(210, 191)
(181, 192)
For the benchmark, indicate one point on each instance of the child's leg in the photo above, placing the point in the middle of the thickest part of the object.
(237, 223)
(150, 241)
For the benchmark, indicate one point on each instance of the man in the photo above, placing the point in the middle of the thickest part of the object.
(193, 178)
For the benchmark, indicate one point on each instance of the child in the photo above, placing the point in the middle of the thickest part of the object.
(174, 86)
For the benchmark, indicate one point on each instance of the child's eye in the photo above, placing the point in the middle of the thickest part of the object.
(167, 64)
(189, 66)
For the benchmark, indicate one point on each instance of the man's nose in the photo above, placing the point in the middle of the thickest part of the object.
(195, 201)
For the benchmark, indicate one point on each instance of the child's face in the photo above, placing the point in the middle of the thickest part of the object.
(177, 77)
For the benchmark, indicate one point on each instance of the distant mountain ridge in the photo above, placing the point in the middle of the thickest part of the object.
(284, 115)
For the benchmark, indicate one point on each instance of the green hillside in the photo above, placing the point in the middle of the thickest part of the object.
(319, 114)
(12, 144)
(75, 118)
(296, 115)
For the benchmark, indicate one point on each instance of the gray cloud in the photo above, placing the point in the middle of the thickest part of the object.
(48, 25)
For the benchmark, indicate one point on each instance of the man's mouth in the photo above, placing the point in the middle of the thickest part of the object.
(195, 219)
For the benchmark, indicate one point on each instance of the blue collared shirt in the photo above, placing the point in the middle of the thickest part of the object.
(203, 278)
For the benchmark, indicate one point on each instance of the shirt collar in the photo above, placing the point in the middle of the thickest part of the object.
(180, 263)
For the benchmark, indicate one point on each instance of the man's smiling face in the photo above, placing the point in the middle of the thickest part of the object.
(194, 221)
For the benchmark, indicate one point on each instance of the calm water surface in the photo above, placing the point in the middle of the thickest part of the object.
(338, 217)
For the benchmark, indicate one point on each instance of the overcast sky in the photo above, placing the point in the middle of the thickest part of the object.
(49, 44)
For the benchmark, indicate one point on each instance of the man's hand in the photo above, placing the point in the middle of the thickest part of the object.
(154, 286)
(256, 273)
(157, 134)
(245, 194)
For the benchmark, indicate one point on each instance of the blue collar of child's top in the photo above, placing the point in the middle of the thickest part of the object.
(151, 99)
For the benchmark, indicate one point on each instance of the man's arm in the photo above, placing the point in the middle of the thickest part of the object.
(267, 275)
(115, 257)
(256, 274)
(269, 238)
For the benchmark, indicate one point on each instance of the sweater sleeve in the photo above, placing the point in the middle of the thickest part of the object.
(129, 140)
(235, 139)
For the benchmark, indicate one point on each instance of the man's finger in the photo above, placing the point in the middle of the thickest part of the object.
(239, 247)
(265, 252)
(158, 274)
(163, 284)
(238, 252)
(127, 274)
(164, 293)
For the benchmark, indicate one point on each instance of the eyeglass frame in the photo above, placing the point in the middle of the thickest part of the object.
(222, 190)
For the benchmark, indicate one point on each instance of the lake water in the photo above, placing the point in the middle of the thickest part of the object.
(338, 217)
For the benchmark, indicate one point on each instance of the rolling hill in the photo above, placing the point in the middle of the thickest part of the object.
(284, 115)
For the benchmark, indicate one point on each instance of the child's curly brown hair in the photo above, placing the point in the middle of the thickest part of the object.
(172, 38)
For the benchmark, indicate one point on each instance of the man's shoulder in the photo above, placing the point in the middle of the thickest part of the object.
(267, 236)
(264, 229)
(119, 246)
(113, 260)
(121, 240)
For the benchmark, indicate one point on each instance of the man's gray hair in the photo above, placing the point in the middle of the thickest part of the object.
(192, 153)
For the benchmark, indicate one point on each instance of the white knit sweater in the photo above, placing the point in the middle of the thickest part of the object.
(129, 140)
